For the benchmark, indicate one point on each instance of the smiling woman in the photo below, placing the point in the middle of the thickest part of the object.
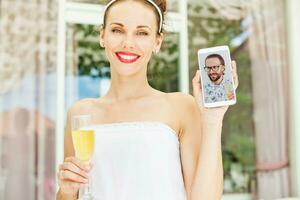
(139, 38)
(148, 144)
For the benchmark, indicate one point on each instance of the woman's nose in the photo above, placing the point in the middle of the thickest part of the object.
(128, 42)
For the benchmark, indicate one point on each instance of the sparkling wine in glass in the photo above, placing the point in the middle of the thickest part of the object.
(83, 142)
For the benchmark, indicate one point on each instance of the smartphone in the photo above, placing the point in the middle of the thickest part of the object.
(216, 77)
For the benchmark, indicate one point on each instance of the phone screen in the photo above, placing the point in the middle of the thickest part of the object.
(216, 76)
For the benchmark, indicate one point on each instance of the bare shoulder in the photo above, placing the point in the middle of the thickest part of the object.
(83, 106)
(182, 102)
(186, 110)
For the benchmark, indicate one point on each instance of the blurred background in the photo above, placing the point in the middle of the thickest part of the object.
(50, 57)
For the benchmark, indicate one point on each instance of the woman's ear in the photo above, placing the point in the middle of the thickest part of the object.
(159, 39)
(101, 36)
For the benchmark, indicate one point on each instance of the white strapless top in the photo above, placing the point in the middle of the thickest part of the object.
(136, 161)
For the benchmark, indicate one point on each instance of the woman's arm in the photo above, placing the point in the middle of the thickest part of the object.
(190, 139)
(205, 156)
(201, 154)
(208, 179)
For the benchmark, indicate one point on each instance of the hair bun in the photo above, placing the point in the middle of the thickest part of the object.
(162, 4)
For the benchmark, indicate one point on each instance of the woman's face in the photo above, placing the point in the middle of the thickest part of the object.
(130, 37)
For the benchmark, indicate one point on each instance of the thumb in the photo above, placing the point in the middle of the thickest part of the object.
(196, 84)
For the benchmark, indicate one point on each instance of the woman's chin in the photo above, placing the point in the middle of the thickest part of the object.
(127, 71)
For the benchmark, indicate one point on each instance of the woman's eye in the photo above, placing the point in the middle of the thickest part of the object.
(142, 33)
(116, 30)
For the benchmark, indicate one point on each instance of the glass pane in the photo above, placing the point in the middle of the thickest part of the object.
(206, 29)
(27, 100)
(87, 71)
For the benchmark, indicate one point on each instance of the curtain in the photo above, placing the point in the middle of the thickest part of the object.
(268, 50)
(27, 99)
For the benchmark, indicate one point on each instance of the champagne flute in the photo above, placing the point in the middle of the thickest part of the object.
(83, 142)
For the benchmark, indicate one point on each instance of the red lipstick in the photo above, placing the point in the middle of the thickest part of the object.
(126, 57)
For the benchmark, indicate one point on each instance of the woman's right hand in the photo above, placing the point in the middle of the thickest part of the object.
(72, 175)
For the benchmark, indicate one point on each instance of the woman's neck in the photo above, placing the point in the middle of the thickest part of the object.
(128, 88)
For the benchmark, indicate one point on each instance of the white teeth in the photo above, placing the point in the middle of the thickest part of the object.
(126, 57)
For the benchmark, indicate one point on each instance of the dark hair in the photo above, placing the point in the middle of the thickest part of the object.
(221, 59)
(162, 4)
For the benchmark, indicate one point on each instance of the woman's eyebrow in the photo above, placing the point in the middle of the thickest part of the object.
(140, 26)
(115, 23)
(144, 26)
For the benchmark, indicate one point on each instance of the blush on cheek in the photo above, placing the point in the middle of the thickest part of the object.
(113, 42)
(145, 43)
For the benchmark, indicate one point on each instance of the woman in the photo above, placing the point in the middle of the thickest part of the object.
(151, 145)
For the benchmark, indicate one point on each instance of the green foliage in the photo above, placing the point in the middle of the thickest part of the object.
(163, 68)
(91, 58)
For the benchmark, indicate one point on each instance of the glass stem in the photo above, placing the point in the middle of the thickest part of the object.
(87, 189)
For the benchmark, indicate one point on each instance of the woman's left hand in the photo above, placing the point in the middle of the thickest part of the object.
(211, 113)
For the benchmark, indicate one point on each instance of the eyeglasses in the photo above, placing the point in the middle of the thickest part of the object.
(214, 68)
